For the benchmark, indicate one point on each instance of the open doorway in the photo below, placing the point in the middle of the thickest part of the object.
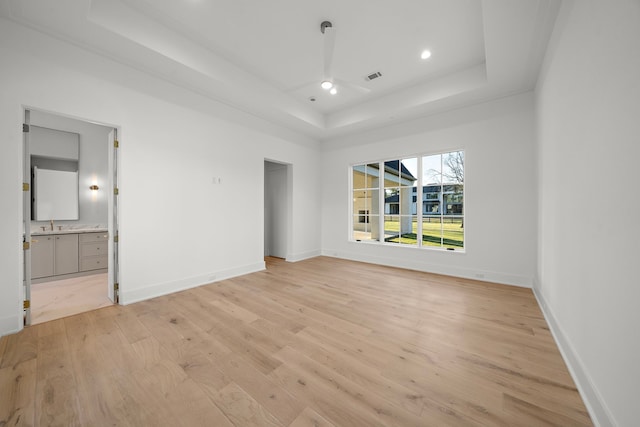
(277, 208)
(70, 263)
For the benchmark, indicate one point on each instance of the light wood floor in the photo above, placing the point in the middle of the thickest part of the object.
(62, 298)
(322, 342)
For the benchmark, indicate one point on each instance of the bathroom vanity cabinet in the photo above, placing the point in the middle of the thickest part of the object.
(42, 256)
(68, 254)
(93, 251)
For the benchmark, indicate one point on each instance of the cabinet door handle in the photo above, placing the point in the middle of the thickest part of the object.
(34, 240)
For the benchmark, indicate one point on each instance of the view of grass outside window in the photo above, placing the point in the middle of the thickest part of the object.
(421, 200)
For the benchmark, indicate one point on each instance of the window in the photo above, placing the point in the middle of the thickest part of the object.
(397, 188)
(366, 195)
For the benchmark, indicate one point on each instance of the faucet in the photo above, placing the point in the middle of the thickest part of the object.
(51, 222)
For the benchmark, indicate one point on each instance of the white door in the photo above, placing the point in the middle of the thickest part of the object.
(26, 216)
(113, 279)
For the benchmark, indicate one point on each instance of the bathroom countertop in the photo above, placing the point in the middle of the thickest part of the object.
(69, 231)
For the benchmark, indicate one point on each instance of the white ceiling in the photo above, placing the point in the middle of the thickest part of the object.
(266, 57)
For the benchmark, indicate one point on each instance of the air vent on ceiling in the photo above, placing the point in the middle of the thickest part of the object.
(373, 76)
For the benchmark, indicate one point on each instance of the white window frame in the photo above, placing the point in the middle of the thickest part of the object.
(419, 204)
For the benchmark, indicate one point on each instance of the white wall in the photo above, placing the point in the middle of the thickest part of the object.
(92, 165)
(588, 101)
(500, 183)
(177, 228)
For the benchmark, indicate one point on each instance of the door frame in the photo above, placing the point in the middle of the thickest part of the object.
(113, 215)
(288, 209)
(26, 216)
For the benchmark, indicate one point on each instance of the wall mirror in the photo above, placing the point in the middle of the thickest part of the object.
(55, 195)
(54, 164)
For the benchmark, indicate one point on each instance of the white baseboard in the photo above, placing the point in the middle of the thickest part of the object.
(11, 325)
(488, 276)
(160, 289)
(600, 414)
(303, 255)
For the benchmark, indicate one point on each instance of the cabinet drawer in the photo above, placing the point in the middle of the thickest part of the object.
(93, 249)
(93, 263)
(94, 237)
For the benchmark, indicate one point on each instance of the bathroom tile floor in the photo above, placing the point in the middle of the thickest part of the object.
(62, 298)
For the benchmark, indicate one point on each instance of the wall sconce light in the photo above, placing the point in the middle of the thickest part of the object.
(94, 187)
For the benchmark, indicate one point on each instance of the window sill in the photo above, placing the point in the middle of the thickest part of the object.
(413, 247)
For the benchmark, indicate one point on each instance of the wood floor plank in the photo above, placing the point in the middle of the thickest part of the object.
(329, 402)
(18, 385)
(277, 400)
(131, 326)
(235, 310)
(310, 418)
(253, 301)
(56, 390)
(52, 327)
(318, 342)
(207, 372)
(20, 348)
(242, 409)
(3, 344)
(525, 413)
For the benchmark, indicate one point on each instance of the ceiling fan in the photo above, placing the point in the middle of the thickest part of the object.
(329, 82)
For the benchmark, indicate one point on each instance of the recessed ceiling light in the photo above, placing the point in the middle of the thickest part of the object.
(326, 85)
(333, 91)
(425, 54)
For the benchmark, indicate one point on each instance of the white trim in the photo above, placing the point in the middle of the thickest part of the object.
(160, 289)
(483, 275)
(598, 410)
(408, 246)
(11, 325)
(303, 255)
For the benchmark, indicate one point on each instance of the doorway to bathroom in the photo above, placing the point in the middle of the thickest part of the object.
(69, 216)
(277, 208)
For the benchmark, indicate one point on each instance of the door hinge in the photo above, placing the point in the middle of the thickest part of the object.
(115, 191)
(115, 238)
(116, 144)
(25, 186)
(26, 245)
(26, 304)
(116, 286)
(25, 128)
